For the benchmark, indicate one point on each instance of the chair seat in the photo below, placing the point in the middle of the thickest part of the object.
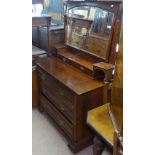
(99, 120)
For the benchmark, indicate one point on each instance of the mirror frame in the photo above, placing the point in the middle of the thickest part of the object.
(110, 6)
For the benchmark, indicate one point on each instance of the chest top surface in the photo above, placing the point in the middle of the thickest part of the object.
(71, 77)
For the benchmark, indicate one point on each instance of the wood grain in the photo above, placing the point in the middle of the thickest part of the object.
(71, 77)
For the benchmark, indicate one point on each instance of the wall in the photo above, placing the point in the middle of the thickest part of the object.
(54, 8)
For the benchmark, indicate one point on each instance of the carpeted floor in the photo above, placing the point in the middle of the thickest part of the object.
(46, 140)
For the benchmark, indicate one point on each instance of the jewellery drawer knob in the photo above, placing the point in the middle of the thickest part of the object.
(64, 59)
(82, 68)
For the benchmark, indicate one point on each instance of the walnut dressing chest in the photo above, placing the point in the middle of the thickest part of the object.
(71, 81)
(67, 94)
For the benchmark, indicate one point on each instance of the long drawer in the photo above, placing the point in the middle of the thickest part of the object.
(58, 95)
(64, 124)
(61, 89)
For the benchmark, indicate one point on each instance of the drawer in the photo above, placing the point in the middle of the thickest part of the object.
(59, 103)
(62, 122)
(58, 87)
(62, 103)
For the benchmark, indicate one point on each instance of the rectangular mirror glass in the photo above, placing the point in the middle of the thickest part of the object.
(89, 28)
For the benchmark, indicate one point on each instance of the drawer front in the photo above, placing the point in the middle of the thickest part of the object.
(70, 61)
(62, 90)
(57, 95)
(65, 125)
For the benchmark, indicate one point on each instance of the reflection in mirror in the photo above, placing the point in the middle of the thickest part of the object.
(89, 28)
(99, 19)
(102, 22)
(108, 25)
(78, 30)
(79, 12)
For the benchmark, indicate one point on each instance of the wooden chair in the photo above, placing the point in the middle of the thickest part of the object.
(107, 120)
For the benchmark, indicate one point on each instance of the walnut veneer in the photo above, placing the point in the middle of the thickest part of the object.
(67, 94)
(69, 83)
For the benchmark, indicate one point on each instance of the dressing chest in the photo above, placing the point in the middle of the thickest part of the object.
(67, 94)
(71, 81)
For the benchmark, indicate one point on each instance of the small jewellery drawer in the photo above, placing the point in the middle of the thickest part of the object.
(64, 124)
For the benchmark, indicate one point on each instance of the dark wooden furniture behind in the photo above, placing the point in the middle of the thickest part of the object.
(40, 38)
(67, 94)
(36, 52)
(46, 22)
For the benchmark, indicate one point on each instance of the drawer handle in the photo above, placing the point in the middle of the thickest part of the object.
(62, 93)
(64, 59)
(82, 68)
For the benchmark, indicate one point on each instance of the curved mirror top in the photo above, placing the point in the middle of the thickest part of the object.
(90, 28)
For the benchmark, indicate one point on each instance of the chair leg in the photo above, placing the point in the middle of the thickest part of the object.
(97, 146)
